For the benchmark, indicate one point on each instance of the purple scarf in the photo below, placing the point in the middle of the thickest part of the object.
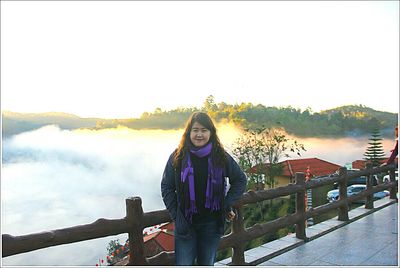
(215, 183)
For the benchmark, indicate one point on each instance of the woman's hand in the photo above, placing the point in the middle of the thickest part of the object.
(230, 215)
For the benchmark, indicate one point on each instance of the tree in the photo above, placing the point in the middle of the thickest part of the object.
(250, 153)
(158, 110)
(374, 152)
(259, 152)
(210, 107)
(277, 145)
(209, 103)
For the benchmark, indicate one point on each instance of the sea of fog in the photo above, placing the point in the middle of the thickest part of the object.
(53, 178)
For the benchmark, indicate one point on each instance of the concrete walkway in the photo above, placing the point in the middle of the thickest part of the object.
(370, 239)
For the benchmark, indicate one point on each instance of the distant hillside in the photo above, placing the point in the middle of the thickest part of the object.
(14, 123)
(360, 111)
(359, 117)
(349, 120)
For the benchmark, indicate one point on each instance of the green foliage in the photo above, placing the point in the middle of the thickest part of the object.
(341, 121)
(374, 152)
(282, 207)
(251, 155)
(115, 251)
(258, 153)
(210, 107)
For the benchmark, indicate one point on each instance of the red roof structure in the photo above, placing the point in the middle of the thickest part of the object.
(158, 242)
(169, 226)
(360, 164)
(166, 241)
(162, 239)
(317, 167)
(150, 236)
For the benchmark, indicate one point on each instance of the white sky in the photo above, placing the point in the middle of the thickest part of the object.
(118, 59)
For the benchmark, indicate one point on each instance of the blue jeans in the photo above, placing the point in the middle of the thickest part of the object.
(202, 245)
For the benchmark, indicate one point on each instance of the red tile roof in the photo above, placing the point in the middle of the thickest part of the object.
(360, 164)
(164, 239)
(168, 225)
(150, 236)
(317, 167)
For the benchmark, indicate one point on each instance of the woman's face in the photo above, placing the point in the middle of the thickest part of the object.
(199, 135)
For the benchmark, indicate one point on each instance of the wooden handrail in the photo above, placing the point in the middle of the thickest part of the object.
(100, 228)
(136, 220)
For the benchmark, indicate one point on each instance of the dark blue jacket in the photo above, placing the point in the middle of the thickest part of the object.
(170, 190)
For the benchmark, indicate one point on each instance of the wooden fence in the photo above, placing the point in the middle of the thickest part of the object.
(136, 220)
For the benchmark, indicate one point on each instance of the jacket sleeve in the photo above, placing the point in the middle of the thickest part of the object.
(168, 188)
(237, 181)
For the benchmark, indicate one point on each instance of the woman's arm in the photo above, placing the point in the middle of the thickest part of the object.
(168, 188)
(237, 181)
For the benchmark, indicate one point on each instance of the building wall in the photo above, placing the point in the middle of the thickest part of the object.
(281, 181)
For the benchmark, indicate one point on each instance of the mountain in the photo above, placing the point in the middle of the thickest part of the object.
(358, 117)
(361, 111)
(14, 123)
(342, 121)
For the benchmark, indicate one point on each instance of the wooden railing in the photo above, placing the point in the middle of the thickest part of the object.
(136, 220)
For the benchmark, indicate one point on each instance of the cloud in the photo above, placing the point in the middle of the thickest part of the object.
(59, 178)
(53, 178)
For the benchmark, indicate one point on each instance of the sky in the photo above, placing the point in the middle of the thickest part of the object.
(117, 59)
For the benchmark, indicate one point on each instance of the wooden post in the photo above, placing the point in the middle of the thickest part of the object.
(134, 217)
(369, 201)
(393, 190)
(300, 206)
(237, 228)
(343, 211)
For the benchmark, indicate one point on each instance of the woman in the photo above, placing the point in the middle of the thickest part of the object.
(193, 188)
(395, 150)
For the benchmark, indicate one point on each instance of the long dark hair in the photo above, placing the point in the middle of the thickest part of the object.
(204, 119)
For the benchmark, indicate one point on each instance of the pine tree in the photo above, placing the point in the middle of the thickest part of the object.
(374, 152)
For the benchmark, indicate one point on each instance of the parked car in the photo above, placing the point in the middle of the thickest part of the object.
(386, 178)
(333, 195)
(359, 180)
